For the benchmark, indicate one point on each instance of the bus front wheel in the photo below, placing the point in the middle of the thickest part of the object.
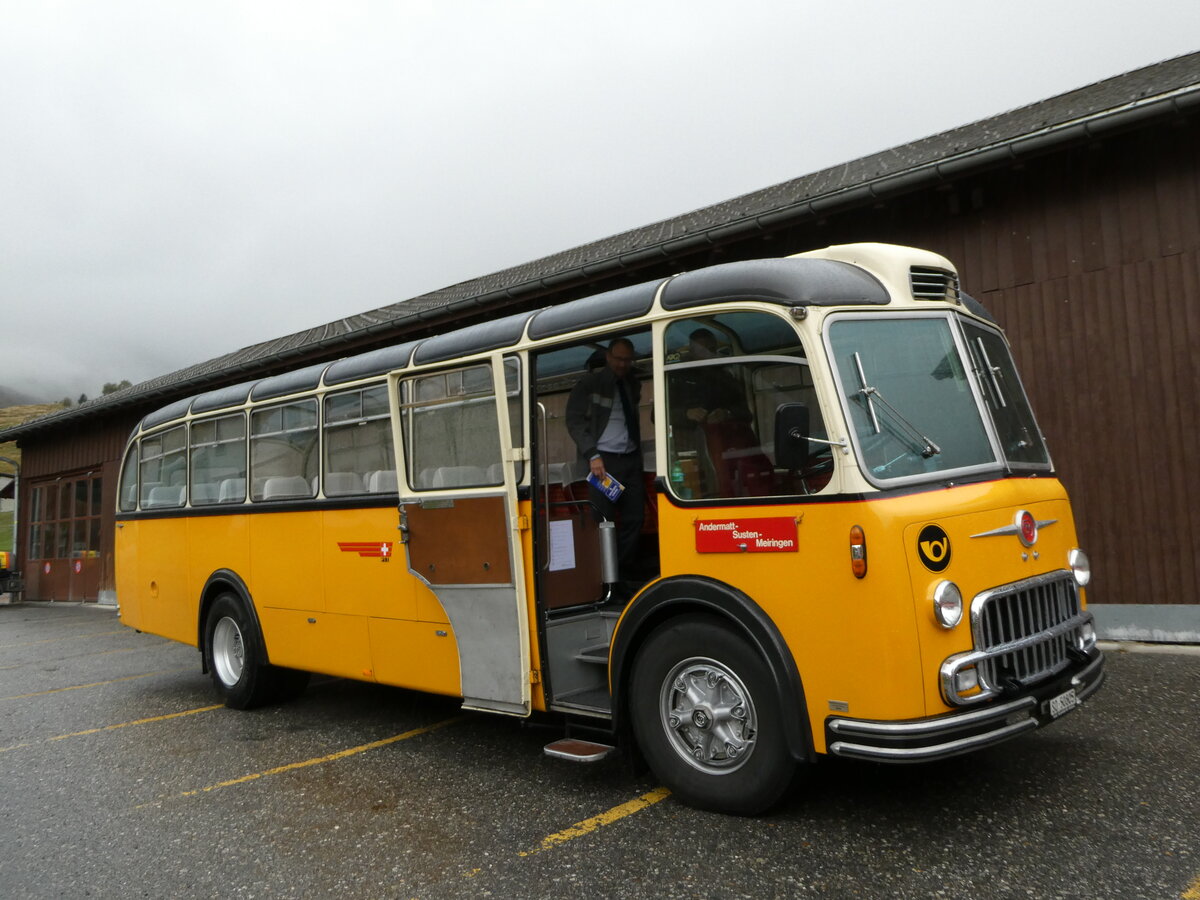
(707, 719)
(240, 673)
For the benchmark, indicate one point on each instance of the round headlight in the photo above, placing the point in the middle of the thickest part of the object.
(947, 604)
(1081, 567)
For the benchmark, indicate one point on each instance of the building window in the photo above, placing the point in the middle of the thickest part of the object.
(65, 518)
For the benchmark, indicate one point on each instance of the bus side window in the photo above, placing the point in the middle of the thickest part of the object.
(451, 434)
(218, 457)
(358, 442)
(163, 468)
(127, 497)
(283, 451)
(726, 376)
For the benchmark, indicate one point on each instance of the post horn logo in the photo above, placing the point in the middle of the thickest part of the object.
(933, 546)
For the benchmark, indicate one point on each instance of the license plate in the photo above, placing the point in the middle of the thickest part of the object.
(1063, 703)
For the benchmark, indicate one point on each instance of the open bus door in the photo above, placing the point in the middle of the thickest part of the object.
(461, 456)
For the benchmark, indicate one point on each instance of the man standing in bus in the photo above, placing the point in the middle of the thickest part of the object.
(602, 418)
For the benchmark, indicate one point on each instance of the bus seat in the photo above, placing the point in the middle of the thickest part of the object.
(458, 476)
(284, 486)
(233, 490)
(164, 495)
(205, 493)
(382, 482)
(343, 483)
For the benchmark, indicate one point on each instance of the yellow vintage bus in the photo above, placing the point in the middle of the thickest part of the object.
(852, 540)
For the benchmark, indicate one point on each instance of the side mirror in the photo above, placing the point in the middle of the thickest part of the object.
(791, 435)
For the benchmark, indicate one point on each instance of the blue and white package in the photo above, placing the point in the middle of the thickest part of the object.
(608, 486)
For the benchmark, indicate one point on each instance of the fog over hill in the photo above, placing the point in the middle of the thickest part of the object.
(10, 397)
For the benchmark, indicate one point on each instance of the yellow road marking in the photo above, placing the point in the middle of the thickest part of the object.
(587, 826)
(71, 637)
(1193, 891)
(80, 687)
(146, 721)
(341, 754)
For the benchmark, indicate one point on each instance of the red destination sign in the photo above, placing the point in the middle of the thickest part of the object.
(776, 534)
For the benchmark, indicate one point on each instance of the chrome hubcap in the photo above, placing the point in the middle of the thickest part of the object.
(228, 652)
(708, 715)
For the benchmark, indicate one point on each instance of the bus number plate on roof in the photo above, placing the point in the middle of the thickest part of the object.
(774, 534)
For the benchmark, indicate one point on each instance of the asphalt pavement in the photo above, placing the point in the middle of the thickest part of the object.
(121, 776)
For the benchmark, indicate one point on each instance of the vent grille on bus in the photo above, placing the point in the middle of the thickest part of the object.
(933, 284)
(1027, 630)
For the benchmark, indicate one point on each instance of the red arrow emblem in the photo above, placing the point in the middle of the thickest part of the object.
(371, 549)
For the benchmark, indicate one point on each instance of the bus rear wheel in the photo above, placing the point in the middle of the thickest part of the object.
(707, 719)
(240, 672)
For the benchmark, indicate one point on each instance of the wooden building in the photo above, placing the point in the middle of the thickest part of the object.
(1076, 220)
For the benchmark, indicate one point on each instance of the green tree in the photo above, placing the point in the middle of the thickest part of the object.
(110, 388)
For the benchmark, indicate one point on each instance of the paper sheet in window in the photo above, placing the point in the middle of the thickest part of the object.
(562, 545)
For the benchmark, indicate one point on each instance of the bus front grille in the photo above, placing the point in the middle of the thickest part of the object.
(1027, 631)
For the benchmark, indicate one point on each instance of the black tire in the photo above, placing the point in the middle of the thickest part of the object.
(240, 671)
(726, 752)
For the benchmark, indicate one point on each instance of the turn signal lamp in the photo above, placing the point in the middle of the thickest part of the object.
(947, 604)
(966, 681)
(858, 552)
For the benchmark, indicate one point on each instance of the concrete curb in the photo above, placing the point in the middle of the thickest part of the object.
(1139, 647)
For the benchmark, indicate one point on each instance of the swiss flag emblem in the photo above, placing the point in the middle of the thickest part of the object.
(370, 549)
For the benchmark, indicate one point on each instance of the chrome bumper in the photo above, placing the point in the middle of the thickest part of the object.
(939, 737)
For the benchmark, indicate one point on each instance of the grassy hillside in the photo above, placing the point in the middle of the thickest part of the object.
(6, 530)
(15, 415)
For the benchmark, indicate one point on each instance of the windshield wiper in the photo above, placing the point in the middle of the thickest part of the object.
(923, 445)
(991, 372)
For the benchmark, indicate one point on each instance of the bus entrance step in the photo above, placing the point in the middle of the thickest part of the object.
(598, 655)
(578, 751)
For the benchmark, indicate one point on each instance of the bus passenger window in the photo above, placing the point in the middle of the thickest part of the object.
(127, 494)
(219, 460)
(163, 468)
(358, 442)
(451, 433)
(283, 451)
(727, 376)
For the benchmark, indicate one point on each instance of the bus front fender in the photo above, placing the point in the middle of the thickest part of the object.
(671, 598)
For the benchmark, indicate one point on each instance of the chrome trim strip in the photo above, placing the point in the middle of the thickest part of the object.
(1024, 710)
(921, 727)
(1013, 529)
(935, 751)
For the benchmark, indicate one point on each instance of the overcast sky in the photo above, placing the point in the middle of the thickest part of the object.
(178, 180)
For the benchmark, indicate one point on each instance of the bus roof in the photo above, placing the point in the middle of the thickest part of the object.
(796, 281)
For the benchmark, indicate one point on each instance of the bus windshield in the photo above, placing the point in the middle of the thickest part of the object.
(913, 409)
